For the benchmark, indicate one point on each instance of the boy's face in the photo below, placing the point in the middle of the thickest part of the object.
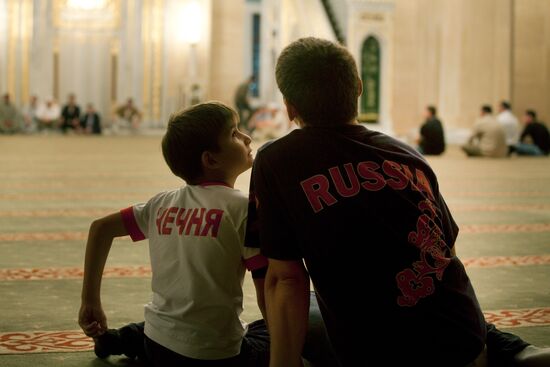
(235, 154)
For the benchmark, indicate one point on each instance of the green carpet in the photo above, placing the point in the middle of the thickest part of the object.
(52, 187)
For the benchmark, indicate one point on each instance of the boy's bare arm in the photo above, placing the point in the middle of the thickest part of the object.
(91, 317)
(287, 298)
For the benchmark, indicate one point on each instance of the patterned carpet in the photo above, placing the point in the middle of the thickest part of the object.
(52, 187)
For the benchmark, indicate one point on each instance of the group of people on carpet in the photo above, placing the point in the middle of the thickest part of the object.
(492, 136)
(49, 116)
(352, 210)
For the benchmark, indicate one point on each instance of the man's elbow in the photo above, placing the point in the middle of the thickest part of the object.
(291, 273)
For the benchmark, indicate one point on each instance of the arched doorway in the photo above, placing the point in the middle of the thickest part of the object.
(370, 75)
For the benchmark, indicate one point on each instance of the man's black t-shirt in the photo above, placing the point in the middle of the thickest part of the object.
(365, 213)
(432, 138)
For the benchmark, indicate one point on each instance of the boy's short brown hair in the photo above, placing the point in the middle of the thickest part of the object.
(191, 132)
(320, 79)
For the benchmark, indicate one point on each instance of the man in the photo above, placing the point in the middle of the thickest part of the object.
(364, 212)
(241, 102)
(90, 123)
(510, 124)
(432, 138)
(535, 138)
(70, 115)
(10, 117)
(488, 137)
(129, 115)
(30, 121)
(48, 115)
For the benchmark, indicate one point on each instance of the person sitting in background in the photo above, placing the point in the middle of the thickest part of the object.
(510, 124)
(90, 122)
(48, 115)
(432, 137)
(269, 122)
(242, 102)
(129, 114)
(70, 115)
(30, 121)
(10, 117)
(535, 138)
(488, 138)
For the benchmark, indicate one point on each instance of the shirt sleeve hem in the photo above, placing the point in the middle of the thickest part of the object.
(131, 225)
(255, 262)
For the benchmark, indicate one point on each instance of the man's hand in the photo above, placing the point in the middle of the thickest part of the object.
(92, 320)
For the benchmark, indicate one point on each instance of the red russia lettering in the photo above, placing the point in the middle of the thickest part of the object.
(316, 189)
(200, 222)
(346, 182)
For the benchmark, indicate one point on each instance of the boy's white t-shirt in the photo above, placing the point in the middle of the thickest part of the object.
(196, 244)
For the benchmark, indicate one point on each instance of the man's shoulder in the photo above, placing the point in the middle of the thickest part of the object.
(539, 124)
(507, 117)
(280, 143)
(486, 120)
(433, 122)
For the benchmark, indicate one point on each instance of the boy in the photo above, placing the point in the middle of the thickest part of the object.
(196, 235)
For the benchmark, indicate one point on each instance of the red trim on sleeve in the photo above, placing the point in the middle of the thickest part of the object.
(131, 225)
(255, 262)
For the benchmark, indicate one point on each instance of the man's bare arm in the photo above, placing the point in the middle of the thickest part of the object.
(287, 301)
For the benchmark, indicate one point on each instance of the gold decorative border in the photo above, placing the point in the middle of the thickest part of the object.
(157, 61)
(152, 28)
(146, 41)
(102, 22)
(55, 87)
(26, 37)
(13, 31)
(115, 50)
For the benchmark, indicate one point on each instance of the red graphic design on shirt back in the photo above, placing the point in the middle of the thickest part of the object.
(417, 283)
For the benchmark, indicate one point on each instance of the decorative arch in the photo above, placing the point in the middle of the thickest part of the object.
(370, 75)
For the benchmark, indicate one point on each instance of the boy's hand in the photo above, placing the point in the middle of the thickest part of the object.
(92, 320)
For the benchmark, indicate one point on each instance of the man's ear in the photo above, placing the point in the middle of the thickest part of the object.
(291, 110)
(360, 87)
(208, 160)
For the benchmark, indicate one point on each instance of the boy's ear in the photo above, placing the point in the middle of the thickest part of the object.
(290, 110)
(208, 160)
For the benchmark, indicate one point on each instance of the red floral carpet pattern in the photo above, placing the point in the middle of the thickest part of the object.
(65, 213)
(497, 207)
(112, 181)
(494, 261)
(498, 194)
(505, 228)
(519, 317)
(75, 341)
(44, 341)
(72, 196)
(43, 236)
(145, 271)
(72, 273)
